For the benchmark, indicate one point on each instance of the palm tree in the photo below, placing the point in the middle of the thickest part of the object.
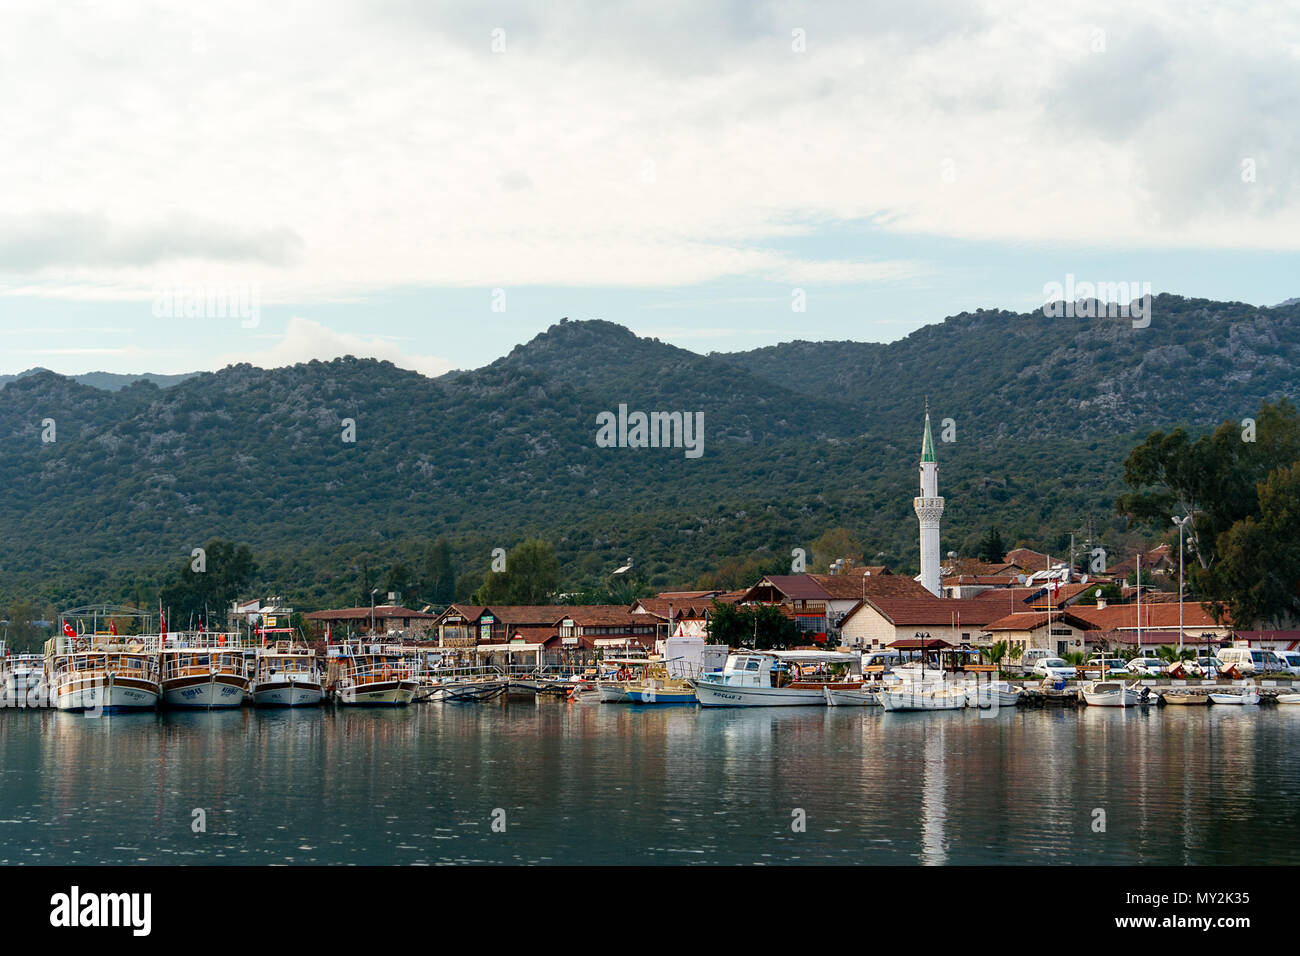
(995, 652)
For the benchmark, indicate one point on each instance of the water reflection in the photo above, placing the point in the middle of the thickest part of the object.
(584, 782)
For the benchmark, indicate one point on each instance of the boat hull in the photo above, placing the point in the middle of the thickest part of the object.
(206, 692)
(378, 694)
(850, 698)
(1124, 698)
(1236, 699)
(713, 694)
(922, 699)
(113, 696)
(288, 694)
(1288, 698)
(612, 693)
(657, 696)
(1186, 700)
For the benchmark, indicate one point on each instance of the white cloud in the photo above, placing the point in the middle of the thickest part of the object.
(327, 151)
(305, 341)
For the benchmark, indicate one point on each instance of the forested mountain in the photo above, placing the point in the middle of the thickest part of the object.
(111, 381)
(800, 438)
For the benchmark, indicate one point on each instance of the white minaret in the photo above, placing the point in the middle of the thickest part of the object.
(929, 508)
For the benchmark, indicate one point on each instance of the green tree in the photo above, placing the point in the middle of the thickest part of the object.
(992, 548)
(760, 627)
(1258, 572)
(532, 576)
(205, 592)
(834, 544)
(438, 578)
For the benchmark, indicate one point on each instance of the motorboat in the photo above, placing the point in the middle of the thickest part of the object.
(1108, 693)
(777, 679)
(654, 686)
(1288, 698)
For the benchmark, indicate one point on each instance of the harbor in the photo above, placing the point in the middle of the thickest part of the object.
(619, 784)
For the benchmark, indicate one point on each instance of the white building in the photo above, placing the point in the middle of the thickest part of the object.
(929, 509)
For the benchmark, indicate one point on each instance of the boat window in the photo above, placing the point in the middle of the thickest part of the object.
(751, 665)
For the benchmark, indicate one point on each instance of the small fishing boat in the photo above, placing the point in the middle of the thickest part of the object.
(613, 689)
(1108, 693)
(864, 696)
(656, 687)
(1005, 693)
(1184, 698)
(1288, 698)
(287, 675)
(1239, 696)
(917, 696)
(776, 679)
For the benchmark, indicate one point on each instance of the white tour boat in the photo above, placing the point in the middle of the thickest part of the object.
(103, 673)
(205, 670)
(775, 679)
(287, 675)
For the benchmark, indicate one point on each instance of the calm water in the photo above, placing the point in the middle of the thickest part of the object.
(591, 783)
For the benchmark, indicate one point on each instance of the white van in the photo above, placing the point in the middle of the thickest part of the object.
(1290, 661)
(1031, 656)
(1251, 660)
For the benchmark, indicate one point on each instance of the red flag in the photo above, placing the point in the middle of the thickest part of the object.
(68, 631)
(327, 633)
(200, 625)
(112, 628)
(162, 624)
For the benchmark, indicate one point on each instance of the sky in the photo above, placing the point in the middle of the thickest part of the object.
(186, 186)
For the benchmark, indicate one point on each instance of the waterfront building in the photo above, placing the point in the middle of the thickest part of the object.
(1057, 631)
(387, 619)
(879, 621)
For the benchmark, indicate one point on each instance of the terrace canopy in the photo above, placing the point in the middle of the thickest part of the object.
(919, 644)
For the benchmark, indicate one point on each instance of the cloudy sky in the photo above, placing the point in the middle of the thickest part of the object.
(435, 182)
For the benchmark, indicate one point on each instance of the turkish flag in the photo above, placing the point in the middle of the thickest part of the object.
(200, 625)
(162, 624)
(112, 628)
(68, 631)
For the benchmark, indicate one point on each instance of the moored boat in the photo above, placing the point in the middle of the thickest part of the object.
(1238, 696)
(1108, 693)
(1001, 692)
(776, 679)
(917, 696)
(1288, 698)
(287, 675)
(373, 678)
(1182, 698)
(204, 671)
(105, 677)
(654, 686)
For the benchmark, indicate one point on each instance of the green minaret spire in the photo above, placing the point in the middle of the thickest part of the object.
(927, 443)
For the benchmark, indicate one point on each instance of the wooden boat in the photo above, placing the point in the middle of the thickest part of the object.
(204, 671)
(376, 678)
(1238, 696)
(104, 680)
(1288, 698)
(1184, 698)
(916, 696)
(1108, 693)
(287, 675)
(613, 689)
(655, 687)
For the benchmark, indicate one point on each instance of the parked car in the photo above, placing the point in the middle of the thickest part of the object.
(1147, 666)
(1054, 668)
(1290, 661)
(1111, 665)
(1251, 660)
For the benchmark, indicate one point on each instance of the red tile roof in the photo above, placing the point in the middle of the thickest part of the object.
(382, 612)
(929, 612)
(1030, 620)
(1115, 617)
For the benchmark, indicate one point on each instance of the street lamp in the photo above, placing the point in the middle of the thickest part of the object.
(1182, 523)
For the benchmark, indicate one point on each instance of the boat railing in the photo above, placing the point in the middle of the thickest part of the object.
(362, 672)
(203, 664)
(213, 640)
